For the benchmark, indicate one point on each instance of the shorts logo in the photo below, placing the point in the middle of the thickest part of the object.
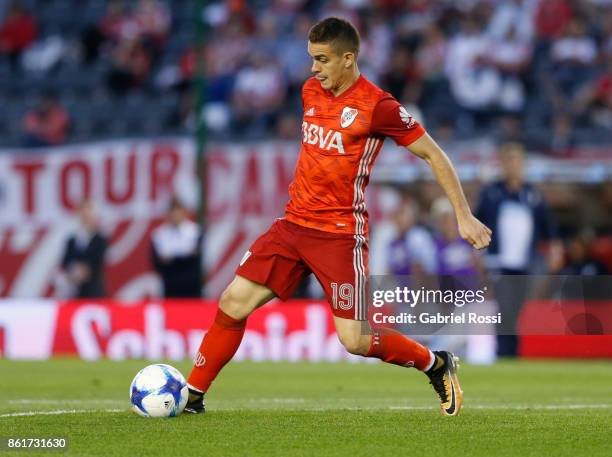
(406, 117)
(348, 116)
(245, 257)
(200, 360)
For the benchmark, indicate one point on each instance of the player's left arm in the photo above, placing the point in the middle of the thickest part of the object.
(470, 228)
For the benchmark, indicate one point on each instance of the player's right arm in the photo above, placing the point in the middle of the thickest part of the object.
(391, 119)
(470, 228)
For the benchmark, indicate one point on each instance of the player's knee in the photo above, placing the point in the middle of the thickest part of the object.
(355, 344)
(234, 305)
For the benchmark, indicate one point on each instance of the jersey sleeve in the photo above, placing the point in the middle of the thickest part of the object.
(390, 119)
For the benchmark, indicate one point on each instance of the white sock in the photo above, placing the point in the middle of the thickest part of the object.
(431, 363)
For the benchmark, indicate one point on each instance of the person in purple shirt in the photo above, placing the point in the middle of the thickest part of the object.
(454, 257)
(459, 267)
(411, 252)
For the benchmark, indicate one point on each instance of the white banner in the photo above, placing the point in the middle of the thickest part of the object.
(131, 183)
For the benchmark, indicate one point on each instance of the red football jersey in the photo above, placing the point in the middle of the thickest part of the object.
(341, 138)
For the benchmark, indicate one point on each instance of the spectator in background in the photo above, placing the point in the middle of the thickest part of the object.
(430, 57)
(412, 250)
(519, 218)
(259, 94)
(459, 268)
(582, 280)
(454, 255)
(216, 111)
(47, 124)
(486, 71)
(510, 54)
(572, 56)
(518, 215)
(376, 44)
(580, 259)
(228, 47)
(176, 252)
(188, 67)
(294, 61)
(83, 261)
(265, 39)
(516, 15)
(399, 73)
(149, 23)
(414, 17)
(113, 28)
(222, 57)
(435, 98)
(152, 21)
(473, 79)
(116, 25)
(594, 101)
(17, 32)
(131, 66)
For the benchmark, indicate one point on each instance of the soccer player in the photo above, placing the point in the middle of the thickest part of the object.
(325, 228)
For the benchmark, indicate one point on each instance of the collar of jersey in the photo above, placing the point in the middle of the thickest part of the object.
(347, 91)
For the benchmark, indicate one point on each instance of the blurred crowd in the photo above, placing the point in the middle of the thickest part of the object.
(536, 71)
(528, 237)
(527, 243)
(531, 70)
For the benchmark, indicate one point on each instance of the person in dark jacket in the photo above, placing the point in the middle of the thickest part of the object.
(519, 217)
(176, 253)
(83, 260)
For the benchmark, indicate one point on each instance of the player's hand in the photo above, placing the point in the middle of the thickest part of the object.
(474, 232)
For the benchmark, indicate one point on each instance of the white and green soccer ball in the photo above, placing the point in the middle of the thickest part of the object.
(159, 391)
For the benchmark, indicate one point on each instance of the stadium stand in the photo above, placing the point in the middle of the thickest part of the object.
(124, 68)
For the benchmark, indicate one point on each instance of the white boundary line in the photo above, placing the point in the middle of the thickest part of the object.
(502, 407)
(516, 407)
(61, 411)
(85, 401)
(28, 401)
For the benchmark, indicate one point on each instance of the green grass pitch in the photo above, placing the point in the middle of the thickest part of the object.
(280, 409)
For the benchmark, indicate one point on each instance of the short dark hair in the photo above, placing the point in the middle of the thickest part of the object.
(339, 33)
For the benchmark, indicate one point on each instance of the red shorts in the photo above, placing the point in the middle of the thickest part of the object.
(287, 253)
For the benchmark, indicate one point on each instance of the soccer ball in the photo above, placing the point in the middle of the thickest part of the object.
(159, 391)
